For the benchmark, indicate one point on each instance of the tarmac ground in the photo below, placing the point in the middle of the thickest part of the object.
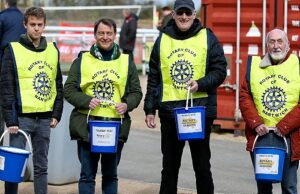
(126, 186)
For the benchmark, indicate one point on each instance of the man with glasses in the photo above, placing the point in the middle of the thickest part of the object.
(185, 55)
(269, 97)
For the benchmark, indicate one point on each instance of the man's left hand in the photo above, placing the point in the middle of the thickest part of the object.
(194, 86)
(53, 123)
(277, 132)
(121, 108)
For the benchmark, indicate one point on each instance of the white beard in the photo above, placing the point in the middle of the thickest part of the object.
(278, 56)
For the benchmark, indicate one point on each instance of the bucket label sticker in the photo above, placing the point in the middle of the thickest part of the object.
(104, 136)
(189, 122)
(24, 168)
(2, 162)
(266, 163)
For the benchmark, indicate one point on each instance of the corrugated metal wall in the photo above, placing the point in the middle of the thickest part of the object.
(221, 17)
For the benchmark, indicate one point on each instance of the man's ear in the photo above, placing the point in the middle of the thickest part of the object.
(173, 14)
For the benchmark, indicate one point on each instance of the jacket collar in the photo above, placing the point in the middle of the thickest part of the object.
(28, 43)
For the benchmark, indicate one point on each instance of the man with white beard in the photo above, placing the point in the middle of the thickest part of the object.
(269, 98)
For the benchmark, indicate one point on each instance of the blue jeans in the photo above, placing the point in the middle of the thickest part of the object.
(89, 166)
(39, 131)
(289, 176)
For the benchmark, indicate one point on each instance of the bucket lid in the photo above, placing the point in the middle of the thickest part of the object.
(14, 150)
(270, 140)
(194, 107)
(108, 122)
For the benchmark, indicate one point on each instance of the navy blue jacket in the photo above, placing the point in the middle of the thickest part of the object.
(11, 26)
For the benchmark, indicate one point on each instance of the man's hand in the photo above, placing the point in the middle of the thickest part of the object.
(53, 123)
(13, 129)
(262, 130)
(94, 103)
(150, 121)
(194, 86)
(121, 108)
(277, 132)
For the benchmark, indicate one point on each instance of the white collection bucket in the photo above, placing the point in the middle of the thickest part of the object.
(269, 162)
(190, 121)
(13, 161)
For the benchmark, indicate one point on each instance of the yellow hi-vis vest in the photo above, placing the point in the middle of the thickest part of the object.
(105, 80)
(36, 77)
(275, 89)
(181, 61)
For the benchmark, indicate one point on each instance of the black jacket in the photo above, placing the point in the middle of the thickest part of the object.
(8, 87)
(214, 76)
(11, 26)
(128, 33)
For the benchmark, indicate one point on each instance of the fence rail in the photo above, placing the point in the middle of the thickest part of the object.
(72, 40)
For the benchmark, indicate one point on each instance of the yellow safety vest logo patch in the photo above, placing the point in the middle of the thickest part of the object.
(42, 86)
(274, 100)
(104, 90)
(181, 72)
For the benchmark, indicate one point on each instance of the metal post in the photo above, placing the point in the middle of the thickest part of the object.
(264, 27)
(237, 60)
(285, 15)
(154, 14)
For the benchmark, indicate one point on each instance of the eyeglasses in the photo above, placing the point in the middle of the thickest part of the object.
(187, 12)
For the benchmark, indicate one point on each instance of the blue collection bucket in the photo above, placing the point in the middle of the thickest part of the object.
(190, 121)
(104, 136)
(13, 161)
(269, 159)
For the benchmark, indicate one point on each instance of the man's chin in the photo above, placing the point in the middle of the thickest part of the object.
(278, 57)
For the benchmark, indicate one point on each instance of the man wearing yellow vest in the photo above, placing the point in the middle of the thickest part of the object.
(269, 98)
(102, 84)
(32, 92)
(185, 55)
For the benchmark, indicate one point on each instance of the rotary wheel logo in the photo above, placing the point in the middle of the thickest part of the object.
(274, 98)
(42, 84)
(181, 72)
(103, 89)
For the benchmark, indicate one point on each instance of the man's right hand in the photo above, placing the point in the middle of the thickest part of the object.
(13, 129)
(94, 103)
(262, 130)
(150, 121)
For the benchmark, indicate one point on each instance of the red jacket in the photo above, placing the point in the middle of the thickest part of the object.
(289, 125)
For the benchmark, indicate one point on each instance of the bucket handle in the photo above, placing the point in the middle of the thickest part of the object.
(271, 129)
(189, 93)
(109, 101)
(26, 136)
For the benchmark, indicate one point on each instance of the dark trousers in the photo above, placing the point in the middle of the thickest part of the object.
(89, 167)
(172, 149)
(39, 130)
